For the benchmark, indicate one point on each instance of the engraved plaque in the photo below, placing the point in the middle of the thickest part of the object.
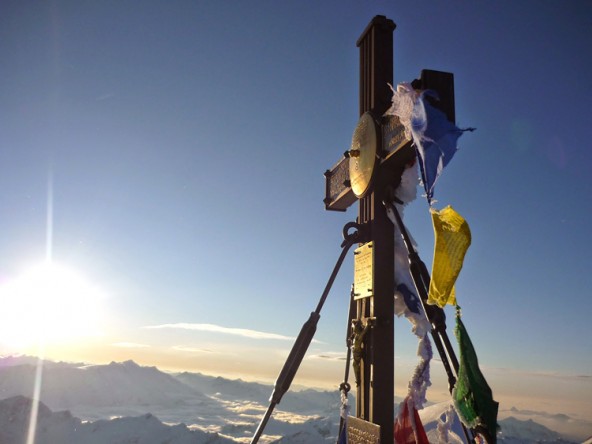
(363, 264)
(338, 193)
(393, 135)
(362, 432)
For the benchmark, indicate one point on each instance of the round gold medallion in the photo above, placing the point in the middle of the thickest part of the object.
(362, 155)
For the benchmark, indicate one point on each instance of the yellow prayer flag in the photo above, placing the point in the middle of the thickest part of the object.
(452, 240)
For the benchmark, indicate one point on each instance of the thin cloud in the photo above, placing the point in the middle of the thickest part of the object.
(184, 348)
(243, 332)
(538, 373)
(329, 356)
(106, 96)
(129, 345)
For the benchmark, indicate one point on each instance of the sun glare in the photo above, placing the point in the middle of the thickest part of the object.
(48, 304)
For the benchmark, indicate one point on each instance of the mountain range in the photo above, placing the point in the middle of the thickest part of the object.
(128, 403)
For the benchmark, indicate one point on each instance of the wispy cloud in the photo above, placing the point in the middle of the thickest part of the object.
(184, 348)
(246, 333)
(105, 96)
(129, 345)
(538, 374)
(329, 356)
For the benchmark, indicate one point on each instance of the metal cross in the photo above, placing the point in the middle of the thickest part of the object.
(368, 173)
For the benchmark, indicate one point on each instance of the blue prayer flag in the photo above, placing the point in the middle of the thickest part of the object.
(343, 435)
(411, 300)
(435, 138)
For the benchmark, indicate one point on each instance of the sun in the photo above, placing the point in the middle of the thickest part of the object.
(48, 304)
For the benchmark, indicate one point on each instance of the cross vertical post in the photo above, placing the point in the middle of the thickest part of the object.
(375, 393)
(369, 173)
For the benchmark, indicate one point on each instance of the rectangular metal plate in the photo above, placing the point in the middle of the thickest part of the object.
(393, 135)
(362, 432)
(338, 193)
(363, 271)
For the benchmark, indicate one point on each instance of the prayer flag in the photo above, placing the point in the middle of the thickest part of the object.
(344, 413)
(472, 396)
(435, 137)
(411, 300)
(343, 435)
(408, 427)
(453, 238)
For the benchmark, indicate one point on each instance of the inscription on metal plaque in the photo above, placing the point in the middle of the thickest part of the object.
(338, 193)
(362, 432)
(363, 267)
(393, 135)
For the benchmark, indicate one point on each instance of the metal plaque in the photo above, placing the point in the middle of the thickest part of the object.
(362, 432)
(362, 155)
(393, 136)
(338, 193)
(363, 271)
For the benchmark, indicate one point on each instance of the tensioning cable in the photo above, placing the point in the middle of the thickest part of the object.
(308, 330)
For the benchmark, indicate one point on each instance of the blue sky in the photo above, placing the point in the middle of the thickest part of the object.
(185, 144)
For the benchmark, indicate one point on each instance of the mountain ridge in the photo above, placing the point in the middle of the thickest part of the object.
(231, 408)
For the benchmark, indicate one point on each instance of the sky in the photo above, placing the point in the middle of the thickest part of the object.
(167, 159)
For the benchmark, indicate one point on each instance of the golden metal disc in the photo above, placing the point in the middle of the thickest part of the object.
(362, 159)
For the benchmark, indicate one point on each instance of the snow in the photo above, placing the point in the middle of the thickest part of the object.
(62, 427)
(126, 403)
(526, 429)
(433, 416)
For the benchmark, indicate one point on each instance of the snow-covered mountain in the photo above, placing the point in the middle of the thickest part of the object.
(304, 401)
(102, 391)
(62, 427)
(207, 404)
(66, 386)
(125, 402)
(515, 430)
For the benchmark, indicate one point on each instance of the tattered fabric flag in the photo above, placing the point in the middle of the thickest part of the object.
(420, 380)
(453, 238)
(435, 137)
(410, 299)
(343, 434)
(408, 428)
(344, 413)
(407, 302)
(472, 396)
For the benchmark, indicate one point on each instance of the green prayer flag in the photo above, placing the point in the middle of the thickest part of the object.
(472, 396)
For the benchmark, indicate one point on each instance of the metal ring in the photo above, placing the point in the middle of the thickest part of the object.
(345, 386)
(350, 236)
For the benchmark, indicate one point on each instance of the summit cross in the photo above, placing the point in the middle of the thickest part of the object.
(368, 173)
